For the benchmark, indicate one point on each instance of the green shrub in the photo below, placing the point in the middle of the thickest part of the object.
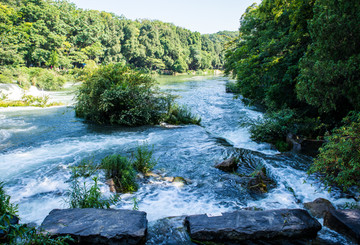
(181, 115)
(47, 79)
(39, 77)
(232, 87)
(21, 233)
(121, 171)
(143, 160)
(339, 160)
(275, 127)
(5, 205)
(81, 196)
(116, 94)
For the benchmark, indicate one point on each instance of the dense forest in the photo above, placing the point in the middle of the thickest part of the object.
(300, 61)
(47, 33)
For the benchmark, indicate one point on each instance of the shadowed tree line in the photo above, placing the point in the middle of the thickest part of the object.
(300, 61)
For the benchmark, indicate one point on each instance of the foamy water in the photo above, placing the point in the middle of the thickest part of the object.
(38, 146)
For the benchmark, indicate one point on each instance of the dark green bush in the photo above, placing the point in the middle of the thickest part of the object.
(339, 160)
(5, 205)
(181, 115)
(121, 171)
(143, 160)
(274, 127)
(116, 94)
(20, 233)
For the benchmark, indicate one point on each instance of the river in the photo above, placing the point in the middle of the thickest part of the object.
(37, 147)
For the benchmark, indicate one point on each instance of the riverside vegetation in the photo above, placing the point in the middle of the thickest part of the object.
(299, 60)
(13, 233)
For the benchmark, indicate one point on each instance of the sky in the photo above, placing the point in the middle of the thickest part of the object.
(204, 16)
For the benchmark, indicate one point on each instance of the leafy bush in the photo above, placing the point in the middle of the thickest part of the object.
(275, 126)
(6, 206)
(46, 79)
(116, 94)
(339, 160)
(121, 171)
(39, 77)
(181, 115)
(143, 158)
(12, 233)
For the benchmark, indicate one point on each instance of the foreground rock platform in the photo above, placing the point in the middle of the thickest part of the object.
(245, 225)
(346, 222)
(98, 226)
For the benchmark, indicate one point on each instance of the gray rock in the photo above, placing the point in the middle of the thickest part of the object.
(346, 222)
(319, 207)
(244, 225)
(98, 226)
(229, 165)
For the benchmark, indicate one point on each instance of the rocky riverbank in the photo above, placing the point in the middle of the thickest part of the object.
(108, 226)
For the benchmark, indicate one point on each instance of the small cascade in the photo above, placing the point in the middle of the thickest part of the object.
(14, 92)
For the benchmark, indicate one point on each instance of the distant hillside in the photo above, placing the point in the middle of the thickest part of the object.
(45, 33)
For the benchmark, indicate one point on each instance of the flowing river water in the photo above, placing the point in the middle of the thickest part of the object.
(37, 147)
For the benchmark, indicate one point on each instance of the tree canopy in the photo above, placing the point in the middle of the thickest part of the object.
(50, 33)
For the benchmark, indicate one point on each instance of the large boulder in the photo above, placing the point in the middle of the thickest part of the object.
(319, 207)
(228, 165)
(240, 226)
(346, 222)
(98, 226)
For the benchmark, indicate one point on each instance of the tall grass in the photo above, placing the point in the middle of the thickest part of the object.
(181, 115)
(121, 170)
(143, 159)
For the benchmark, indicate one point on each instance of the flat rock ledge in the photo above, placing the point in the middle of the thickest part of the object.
(241, 226)
(346, 222)
(98, 226)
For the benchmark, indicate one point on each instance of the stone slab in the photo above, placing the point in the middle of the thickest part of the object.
(98, 226)
(246, 225)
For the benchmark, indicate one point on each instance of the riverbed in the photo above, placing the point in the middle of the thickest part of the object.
(38, 147)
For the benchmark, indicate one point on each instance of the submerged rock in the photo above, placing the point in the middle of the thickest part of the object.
(98, 226)
(305, 146)
(346, 222)
(259, 182)
(319, 207)
(240, 226)
(169, 231)
(229, 165)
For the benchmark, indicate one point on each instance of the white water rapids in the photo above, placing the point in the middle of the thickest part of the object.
(37, 147)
